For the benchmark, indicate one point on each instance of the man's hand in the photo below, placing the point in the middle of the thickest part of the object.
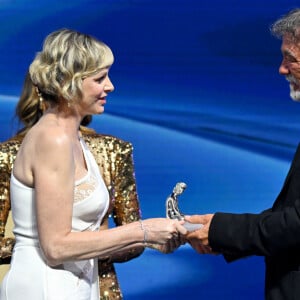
(198, 239)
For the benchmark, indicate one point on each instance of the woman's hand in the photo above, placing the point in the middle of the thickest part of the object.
(170, 246)
(163, 234)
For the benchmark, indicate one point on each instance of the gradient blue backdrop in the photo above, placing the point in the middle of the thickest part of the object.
(199, 96)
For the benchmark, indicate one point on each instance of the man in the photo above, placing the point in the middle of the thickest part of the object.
(274, 233)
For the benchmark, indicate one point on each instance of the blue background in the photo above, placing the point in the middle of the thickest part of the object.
(199, 95)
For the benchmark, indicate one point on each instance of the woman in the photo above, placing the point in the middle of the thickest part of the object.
(114, 159)
(56, 185)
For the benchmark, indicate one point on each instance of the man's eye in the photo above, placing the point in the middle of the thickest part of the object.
(291, 59)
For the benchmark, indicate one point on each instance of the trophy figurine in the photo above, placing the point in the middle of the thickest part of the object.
(172, 210)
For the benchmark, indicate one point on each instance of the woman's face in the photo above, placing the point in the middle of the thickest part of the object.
(94, 91)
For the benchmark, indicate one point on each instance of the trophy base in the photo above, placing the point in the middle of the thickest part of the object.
(191, 226)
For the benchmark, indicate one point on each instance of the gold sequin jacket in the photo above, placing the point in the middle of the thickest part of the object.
(114, 158)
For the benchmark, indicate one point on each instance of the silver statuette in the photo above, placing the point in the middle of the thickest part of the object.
(172, 209)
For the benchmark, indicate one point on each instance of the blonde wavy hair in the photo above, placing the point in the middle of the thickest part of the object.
(67, 57)
(30, 108)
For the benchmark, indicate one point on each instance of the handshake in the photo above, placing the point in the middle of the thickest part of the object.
(168, 234)
(176, 233)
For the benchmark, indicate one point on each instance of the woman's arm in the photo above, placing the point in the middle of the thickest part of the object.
(54, 174)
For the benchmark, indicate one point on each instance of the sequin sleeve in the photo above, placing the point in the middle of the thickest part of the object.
(8, 151)
(126, 207)
(114, 158)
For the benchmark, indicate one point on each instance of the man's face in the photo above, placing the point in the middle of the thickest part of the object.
(290, 65)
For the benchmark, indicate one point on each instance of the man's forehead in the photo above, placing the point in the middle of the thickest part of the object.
(290, 43)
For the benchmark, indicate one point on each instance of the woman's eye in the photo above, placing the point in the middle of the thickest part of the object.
(100, 79)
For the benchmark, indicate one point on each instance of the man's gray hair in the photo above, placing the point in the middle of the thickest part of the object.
(288, 24)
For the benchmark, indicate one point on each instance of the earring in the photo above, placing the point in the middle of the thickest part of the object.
(41, 100)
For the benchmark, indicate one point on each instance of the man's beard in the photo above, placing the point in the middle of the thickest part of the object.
(294, 94)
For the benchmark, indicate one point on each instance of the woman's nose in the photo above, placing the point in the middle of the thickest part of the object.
(109, 87)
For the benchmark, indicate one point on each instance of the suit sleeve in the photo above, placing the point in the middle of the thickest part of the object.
(266, 234)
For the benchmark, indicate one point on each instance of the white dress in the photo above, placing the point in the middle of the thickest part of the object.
(30, 277)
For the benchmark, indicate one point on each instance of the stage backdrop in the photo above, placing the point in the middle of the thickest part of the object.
(197, 92)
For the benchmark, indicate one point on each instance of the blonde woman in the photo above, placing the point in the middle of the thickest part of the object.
(58, 196)
(115, 161)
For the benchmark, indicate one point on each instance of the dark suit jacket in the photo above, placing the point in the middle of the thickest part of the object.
(274, 234)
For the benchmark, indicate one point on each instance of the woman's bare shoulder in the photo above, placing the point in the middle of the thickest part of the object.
(47, 135)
